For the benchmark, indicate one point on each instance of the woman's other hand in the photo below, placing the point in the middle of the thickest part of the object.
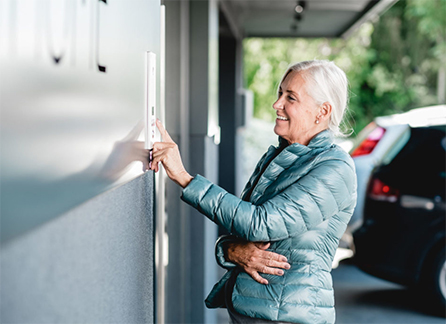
(168, 154)
(254, 258)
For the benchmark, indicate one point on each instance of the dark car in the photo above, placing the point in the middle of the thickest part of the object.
(402, 238)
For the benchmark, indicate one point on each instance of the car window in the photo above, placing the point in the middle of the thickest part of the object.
(419, 168)
(396, 147)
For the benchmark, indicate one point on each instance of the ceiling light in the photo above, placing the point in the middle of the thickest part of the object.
(300, 6)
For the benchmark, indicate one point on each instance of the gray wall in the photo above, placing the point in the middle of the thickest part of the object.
(192, 119)
(91, 265)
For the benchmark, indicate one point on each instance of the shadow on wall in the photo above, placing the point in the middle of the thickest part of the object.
(45, 200)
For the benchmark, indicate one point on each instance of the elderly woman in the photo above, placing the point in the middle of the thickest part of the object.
(296, 206)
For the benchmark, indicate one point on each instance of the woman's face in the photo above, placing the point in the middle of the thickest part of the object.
(296, 111)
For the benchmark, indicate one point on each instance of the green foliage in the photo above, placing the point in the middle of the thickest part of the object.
(392, 64)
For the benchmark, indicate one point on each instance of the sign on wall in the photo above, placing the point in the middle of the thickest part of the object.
(72, 78)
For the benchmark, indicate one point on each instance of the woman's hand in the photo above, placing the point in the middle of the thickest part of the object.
(168, 154)
(254, 258)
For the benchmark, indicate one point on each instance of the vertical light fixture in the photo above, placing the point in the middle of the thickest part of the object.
(298, 11)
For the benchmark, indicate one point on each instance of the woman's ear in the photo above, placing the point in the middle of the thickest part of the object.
(325, 111)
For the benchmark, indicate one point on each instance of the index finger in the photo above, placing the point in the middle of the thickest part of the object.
(164, 134)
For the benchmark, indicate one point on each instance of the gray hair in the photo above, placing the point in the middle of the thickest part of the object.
(325, 82)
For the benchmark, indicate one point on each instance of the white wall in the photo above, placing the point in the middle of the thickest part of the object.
(63, 124)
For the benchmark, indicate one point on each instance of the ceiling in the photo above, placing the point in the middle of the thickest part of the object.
(292, 18)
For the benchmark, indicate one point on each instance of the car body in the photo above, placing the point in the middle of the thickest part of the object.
(402, 235)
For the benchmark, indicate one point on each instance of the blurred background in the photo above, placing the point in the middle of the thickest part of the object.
(394, 63)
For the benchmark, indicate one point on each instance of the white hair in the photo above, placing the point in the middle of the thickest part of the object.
(325, 82)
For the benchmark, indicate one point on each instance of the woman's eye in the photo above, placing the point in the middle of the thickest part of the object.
(291, 98)
(279, 94)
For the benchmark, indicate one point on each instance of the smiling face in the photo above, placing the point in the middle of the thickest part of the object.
(297, 112)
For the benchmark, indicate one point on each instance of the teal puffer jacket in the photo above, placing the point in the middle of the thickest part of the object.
(301, 203)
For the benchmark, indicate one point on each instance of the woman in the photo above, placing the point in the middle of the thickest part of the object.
(298, 201)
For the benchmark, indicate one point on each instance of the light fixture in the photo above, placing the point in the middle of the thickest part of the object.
(300, 7)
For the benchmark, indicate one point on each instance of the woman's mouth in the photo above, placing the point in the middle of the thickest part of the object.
(282, 118)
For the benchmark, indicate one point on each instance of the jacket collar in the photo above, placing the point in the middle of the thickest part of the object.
(320, 140)
(279, 159)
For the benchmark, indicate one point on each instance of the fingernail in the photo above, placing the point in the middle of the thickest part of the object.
(287, 266)
(284, 259)
(280, 272)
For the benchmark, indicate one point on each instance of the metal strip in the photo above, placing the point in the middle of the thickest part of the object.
(160, 178)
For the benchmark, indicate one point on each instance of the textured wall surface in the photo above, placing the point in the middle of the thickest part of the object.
(93, 264)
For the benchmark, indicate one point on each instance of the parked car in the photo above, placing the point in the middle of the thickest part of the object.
(402, 236)
(375, 141)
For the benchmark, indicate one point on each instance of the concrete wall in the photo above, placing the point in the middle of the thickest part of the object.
(198, 60)
(192, 119)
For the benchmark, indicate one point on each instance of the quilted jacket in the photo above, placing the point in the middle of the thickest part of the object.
(301, 203)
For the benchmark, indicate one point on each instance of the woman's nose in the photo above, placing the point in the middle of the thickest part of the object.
(278, 104)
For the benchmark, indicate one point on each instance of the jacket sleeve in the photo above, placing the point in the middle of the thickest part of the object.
(322, 193)
(220, 251)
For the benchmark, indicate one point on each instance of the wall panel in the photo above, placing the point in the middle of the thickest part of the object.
(91, 265)
(77, 211)
(71, 97)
